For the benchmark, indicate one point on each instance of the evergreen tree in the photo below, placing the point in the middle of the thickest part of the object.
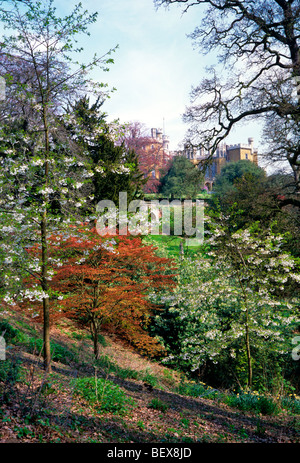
(183, 179)
(115, 168)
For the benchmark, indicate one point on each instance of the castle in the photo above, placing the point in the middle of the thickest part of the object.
(223, 154)
(157, 147)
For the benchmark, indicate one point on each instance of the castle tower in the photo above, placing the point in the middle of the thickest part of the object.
(242, 152)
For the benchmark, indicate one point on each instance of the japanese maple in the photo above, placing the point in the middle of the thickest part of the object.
(105, 282)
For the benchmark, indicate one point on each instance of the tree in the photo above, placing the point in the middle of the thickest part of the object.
(259, 49)
(38, 65)
(232, 172)
(153, 156)
(260, 199)
(234, 302)
(105, 281)
(183, 179)
(115, 167)
(116, 170)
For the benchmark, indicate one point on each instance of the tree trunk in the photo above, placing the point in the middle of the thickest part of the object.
(94, 332)
(96, 346)
(249, 362)
(45, 284)
(45, 287)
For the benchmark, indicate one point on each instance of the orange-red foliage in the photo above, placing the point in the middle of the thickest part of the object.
(104, 285)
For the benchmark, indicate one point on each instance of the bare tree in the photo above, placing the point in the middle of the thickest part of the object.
(258, 43)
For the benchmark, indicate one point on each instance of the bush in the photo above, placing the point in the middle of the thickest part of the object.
(127, 373)
(10, 333)
(149, 379)
(10, 371)
(107, 397)
(292, 404)
(248, 401)
(158, 404)
(102, 341)
(105, 363)
(58, 352)
(197, 390)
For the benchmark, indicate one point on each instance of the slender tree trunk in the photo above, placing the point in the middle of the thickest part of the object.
(96, 346)
(94, 332)
(249, 360)
(45, 284)
(247, 337)
(45, 287)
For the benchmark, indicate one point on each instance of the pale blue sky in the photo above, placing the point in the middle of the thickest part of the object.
(155, 64)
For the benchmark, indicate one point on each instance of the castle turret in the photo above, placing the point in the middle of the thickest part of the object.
(250, 143)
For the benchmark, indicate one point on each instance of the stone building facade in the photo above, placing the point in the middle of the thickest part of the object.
(224, 153)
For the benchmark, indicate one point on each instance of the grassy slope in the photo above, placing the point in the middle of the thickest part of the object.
(44, 408)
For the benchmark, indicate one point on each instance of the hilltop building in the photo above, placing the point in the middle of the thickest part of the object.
(223, 154)
(157, 149)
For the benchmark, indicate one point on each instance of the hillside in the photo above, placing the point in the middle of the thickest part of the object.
(142, 401)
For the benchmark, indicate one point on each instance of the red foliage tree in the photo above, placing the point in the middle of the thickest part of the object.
(152, 155)
(105, 282)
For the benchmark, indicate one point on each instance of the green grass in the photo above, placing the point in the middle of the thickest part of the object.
(197, 390)
(158, 404)
(34, 345)
(150, 196)
(59, 353)
(253, 402)
(248, 401)
(106, 364)
(171, 245)
(149, 378)
(103, 394)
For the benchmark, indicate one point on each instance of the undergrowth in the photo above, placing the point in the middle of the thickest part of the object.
(103, 394)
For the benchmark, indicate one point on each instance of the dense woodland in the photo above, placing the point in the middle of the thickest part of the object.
(215, 322)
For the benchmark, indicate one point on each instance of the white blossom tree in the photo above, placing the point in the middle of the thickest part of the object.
(42, 171)
(236, 297)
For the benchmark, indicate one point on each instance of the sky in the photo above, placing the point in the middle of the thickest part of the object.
(155, 65)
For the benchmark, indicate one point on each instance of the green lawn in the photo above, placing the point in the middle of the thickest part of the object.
(171, 244)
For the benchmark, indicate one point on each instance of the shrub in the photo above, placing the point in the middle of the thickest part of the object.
(127, 373)
(10, 371)
(291, 404)
(58, 353)
(248, 401)
(102, 341)
(158, 404)
(149, 379)
(11, 334)
(106, 396)
(197, 390)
